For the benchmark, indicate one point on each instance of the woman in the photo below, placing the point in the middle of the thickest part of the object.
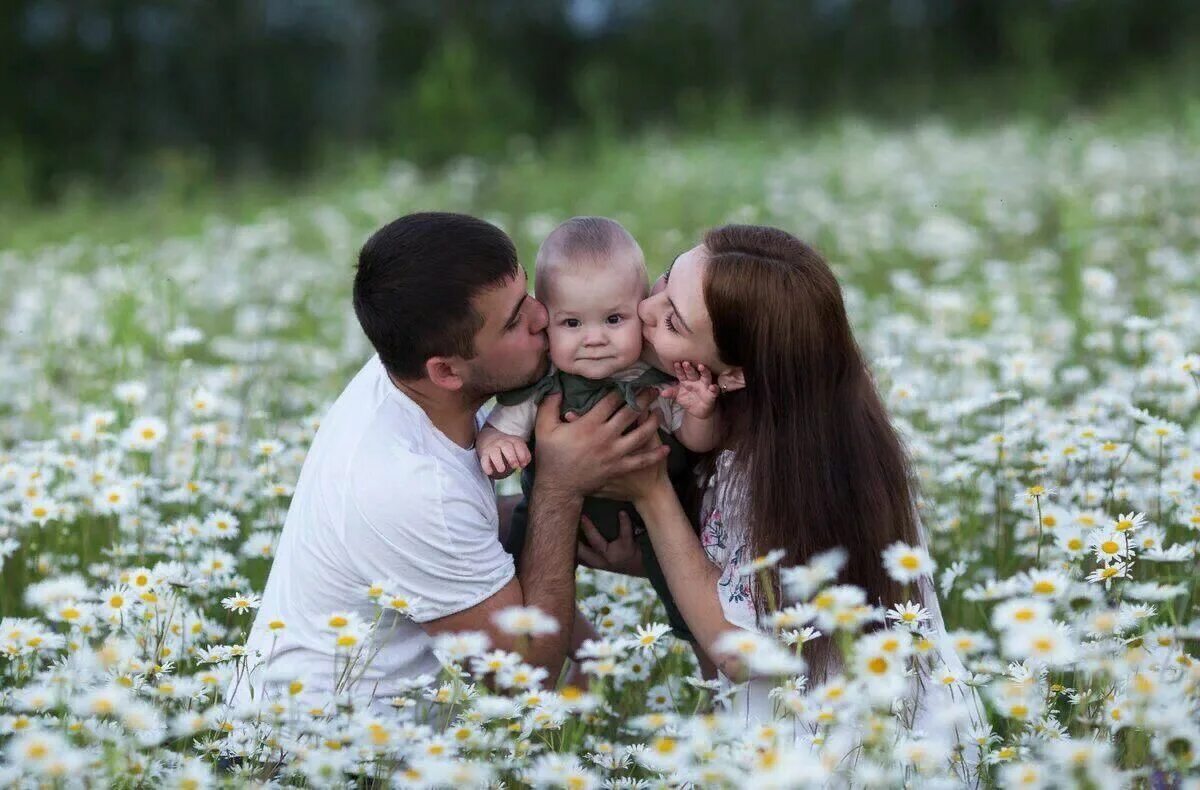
(809, 458)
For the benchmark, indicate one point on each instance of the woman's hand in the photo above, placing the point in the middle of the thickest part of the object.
(620, 555)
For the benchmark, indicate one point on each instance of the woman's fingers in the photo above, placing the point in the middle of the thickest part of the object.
(624, 530)
(590, 558)
(594, 538)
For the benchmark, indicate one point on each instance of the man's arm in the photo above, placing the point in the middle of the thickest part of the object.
(573, 459)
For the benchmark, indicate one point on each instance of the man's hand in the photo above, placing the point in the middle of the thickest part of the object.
(620, 555)
(580, 456)
(501, 454)
(639, 483)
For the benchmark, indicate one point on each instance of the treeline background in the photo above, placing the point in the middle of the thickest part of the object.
(114, 94)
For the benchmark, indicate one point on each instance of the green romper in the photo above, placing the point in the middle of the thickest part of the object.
(580, 395)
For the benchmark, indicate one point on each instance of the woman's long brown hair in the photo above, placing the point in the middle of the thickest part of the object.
(821, 463)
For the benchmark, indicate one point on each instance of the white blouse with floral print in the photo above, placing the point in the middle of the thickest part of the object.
(723, 535)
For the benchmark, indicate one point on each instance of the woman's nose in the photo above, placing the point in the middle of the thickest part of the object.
(644, 312)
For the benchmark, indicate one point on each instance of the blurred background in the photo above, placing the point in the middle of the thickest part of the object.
(174, 97)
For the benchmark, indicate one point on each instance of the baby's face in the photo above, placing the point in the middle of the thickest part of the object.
(594, 327)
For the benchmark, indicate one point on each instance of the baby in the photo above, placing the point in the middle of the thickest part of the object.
(591, 274)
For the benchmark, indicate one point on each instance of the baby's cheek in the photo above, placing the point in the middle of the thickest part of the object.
(562, 356)
(561, 347)
(631, 339)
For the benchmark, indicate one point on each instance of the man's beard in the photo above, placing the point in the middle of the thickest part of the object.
(484, 384)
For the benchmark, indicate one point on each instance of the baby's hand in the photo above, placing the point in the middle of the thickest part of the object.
(695, 393)
(501, 454)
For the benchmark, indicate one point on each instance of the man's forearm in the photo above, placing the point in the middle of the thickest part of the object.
(547, 573)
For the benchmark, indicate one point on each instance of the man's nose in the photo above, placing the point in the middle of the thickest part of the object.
(539, 318)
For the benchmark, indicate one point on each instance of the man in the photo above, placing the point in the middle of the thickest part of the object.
(391, 492)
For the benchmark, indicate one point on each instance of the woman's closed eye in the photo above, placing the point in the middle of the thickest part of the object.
(670, 324)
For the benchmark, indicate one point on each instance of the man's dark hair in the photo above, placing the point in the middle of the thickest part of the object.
(415, 281)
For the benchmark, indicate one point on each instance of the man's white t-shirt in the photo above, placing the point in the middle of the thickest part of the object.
(383, 497)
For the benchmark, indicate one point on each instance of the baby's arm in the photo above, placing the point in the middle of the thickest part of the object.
(502, 443)
(696, 394)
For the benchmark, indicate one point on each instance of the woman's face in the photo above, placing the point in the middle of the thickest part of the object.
(675, 322)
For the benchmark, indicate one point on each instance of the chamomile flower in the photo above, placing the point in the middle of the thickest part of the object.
(906, 563)
(909, 614)
(525, 621)
(145, 434)
(1129, 522)
(241, 602)
(768, 560)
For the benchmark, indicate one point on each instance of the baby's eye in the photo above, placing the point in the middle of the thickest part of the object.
(613, 319)
(571, 323)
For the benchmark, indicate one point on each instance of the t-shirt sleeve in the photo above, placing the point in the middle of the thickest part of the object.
(515, 420)
(425, 533)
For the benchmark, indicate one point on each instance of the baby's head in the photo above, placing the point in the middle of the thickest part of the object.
(590, 275)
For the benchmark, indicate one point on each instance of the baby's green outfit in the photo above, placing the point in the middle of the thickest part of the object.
(515, 415)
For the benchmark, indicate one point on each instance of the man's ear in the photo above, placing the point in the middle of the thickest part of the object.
(731, 380)
(444, 372)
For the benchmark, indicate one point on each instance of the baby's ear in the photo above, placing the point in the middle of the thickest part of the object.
(731, 380)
